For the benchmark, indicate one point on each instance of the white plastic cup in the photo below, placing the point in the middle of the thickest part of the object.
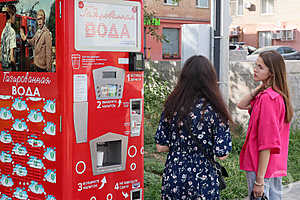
(100, 156)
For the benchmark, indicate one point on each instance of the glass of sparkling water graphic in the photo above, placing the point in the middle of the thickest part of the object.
(76, 61)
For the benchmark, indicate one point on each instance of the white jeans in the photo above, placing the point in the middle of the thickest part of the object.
(272, 187)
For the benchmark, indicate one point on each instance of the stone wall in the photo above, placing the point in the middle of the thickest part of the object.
(241, 82)
(168, 70)
(238, 55)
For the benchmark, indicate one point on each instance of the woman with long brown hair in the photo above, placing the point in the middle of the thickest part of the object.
(265, 151)
(194, 114)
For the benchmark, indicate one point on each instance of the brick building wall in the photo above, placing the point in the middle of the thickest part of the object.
(283, 16)
(172, 17)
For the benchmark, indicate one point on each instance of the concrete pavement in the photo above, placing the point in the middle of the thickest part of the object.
(290, 192)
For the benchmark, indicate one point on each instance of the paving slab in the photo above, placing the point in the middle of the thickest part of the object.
(290, 192)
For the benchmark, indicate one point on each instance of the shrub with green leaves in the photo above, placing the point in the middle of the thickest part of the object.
(156, 91)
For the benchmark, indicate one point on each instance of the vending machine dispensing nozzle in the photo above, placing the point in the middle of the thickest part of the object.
(108, 153)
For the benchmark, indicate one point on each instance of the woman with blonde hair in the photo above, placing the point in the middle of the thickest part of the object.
(265, 151)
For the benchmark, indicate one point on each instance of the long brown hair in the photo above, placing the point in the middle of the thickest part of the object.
(276, 65)
(197, 79)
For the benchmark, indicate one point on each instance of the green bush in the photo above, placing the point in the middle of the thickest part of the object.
(156, 92)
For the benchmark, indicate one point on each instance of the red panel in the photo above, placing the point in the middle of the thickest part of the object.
(27, 100)
(24, 126)
(101, 120)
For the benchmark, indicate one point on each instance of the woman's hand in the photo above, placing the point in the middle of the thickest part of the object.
(258, 190)
(244, 103)
(259, 88)
(223, 158)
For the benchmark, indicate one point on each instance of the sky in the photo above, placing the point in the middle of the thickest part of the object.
(43, 4)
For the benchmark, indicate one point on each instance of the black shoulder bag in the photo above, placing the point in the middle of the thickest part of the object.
(221, 171)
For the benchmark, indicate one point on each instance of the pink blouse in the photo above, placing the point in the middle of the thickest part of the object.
(267, 130)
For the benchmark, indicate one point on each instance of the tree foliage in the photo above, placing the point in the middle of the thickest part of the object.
(152, 30)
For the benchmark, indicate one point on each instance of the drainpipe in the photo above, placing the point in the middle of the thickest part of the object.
(212, 33)
(218, 35)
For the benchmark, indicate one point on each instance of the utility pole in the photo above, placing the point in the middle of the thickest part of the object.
(216, 8)
(220, 22)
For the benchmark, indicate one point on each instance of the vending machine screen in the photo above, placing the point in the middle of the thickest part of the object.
(109, 75)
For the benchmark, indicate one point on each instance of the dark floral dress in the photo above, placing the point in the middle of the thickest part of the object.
(188, 174)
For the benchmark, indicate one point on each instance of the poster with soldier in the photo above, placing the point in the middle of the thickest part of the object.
(27, 35)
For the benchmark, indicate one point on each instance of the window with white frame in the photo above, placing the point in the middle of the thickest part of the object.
(233, 7)
(236, 7)
(171, 2)
(264, 38)
(267, 6)
(240, 7)
(202, 3)
(170, 48)
(287, 35)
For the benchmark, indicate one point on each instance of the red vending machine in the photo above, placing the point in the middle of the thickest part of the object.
(73, 130)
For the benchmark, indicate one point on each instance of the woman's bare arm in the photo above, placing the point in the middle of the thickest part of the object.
(244, 103)
(263, 162)
(161, 148)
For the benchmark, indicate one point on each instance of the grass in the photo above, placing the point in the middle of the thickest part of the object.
(236, 183)
(293, 159)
